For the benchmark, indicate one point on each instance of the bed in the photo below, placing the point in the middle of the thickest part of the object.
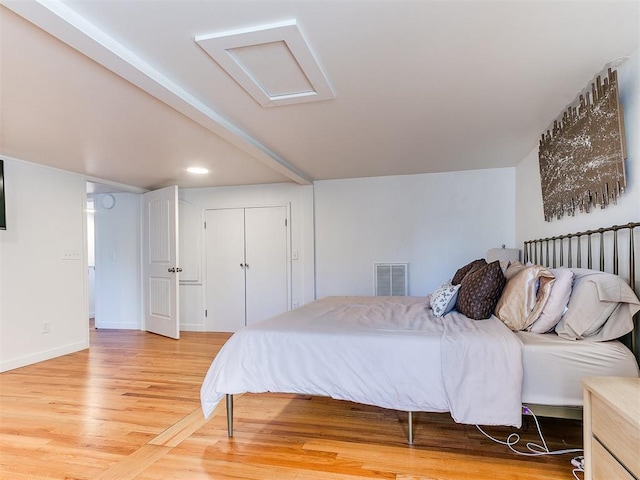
(403, 353)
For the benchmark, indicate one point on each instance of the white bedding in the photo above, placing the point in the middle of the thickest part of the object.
(385, 351)
(554, 367)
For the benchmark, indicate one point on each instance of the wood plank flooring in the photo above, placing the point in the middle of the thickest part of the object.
(128, 408)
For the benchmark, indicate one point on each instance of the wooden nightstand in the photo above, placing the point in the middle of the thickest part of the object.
(612, 428)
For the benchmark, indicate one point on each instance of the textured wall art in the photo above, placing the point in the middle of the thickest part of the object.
(582, 156)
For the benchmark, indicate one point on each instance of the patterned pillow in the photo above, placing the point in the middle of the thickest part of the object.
(480, 291)
(463, 271)
(443, 300)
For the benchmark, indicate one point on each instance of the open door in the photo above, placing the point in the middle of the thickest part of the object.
(160, 262)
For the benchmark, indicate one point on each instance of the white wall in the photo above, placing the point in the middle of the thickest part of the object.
(530, 223)
(197, 200)
(118, 302)
(191, 260)
(45, 221)
(435, 222)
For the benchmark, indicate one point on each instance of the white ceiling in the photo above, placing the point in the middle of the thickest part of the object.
(421, 86)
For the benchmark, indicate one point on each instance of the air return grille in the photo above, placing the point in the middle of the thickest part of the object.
(390, 279)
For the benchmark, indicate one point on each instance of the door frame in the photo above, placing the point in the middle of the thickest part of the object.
(96, 186)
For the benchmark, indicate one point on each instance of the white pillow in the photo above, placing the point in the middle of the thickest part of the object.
(601, 307)
(557, 302)
(443, 300)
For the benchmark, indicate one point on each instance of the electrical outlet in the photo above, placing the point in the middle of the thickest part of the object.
(46, 327)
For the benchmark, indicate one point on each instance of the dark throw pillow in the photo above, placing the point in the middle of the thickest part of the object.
(480, 291)
(463, 271)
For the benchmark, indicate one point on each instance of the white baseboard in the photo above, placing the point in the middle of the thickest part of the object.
(188, 327)
(42, 356)
(117, 326)
(191, 327)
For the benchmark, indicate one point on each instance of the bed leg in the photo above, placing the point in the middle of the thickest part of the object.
(410, 428)
(230, 415)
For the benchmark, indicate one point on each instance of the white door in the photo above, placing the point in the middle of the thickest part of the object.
(224, 247)
(160, 265)
(246, 266)
(266, 262)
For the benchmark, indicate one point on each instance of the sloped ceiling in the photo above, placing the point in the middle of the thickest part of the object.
(119, 90)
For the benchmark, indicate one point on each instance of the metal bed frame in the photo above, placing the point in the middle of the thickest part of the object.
(550, 252)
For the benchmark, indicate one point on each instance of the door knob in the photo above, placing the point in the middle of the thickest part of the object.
(172, 270)
(242, 265)
(178, 270)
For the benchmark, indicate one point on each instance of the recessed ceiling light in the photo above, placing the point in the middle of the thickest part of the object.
(198, 170)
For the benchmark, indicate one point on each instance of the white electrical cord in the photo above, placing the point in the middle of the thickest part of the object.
(535, 450)
(577, 462)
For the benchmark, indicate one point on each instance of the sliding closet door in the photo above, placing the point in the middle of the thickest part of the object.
(224, 246)
(266, 259)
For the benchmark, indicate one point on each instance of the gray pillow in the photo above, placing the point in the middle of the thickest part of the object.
(601, 307)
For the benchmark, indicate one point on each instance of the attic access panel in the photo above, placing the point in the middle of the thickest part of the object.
(273, 63)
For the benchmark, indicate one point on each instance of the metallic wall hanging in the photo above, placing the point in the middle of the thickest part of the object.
(582, 157)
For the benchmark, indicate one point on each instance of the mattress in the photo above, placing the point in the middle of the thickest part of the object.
(554, 367)
(385, 351)
(391, 352)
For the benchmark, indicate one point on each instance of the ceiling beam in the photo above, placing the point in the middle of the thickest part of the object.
(64, 23)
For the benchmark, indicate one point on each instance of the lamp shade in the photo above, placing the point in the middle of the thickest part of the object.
(509, 254)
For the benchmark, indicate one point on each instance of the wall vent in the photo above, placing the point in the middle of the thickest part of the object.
(390, 279)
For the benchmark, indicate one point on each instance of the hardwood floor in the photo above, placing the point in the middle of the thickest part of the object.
(128, 408)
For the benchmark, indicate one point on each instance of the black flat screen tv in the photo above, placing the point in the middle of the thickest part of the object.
(3, 216)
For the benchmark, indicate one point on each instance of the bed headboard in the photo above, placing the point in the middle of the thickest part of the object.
(615, 254)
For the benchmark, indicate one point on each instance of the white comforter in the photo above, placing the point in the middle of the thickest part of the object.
(385, 351)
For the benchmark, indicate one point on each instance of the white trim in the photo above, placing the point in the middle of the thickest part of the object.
(65, 24)
(141, 247)
(121, 187)
(118, 326)
(191, 327)
(117, 187)
(85, 267)
(44, 355)
(220, 47)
